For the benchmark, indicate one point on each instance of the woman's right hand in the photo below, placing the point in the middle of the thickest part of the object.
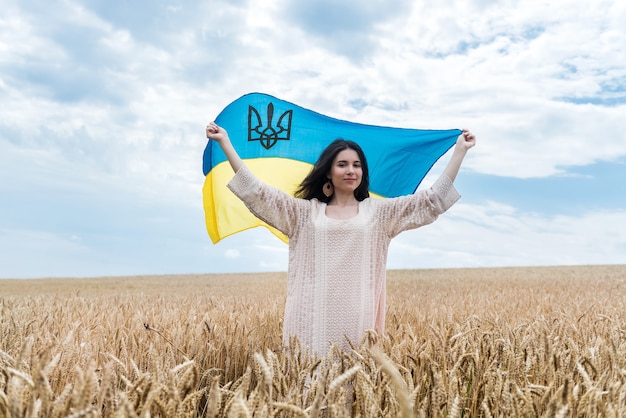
(215, 132)
(220, 136)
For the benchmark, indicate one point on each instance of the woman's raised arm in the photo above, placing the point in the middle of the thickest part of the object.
(220, 135)
(465, 141)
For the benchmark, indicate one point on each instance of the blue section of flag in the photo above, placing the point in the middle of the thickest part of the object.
(261, 126)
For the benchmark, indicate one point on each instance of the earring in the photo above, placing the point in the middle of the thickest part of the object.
(328, 189)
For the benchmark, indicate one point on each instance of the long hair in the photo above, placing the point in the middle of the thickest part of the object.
(311, 186)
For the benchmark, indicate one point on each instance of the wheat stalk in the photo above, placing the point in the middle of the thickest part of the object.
(398, 383)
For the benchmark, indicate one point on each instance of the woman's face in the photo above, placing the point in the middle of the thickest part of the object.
(346, 171)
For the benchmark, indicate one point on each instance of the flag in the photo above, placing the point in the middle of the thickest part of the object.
(280, 142)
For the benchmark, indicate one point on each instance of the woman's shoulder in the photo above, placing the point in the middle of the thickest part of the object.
(377, 202)
(314, 203)
(382, 204)
(369, 205)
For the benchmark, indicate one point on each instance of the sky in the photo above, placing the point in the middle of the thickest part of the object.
(103, 106)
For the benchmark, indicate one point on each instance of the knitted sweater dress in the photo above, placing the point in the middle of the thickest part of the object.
(336, 276)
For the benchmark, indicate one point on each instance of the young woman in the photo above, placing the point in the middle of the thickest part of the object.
(338, 238)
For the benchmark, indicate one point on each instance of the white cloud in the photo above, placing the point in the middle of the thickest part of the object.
(494, 234)
(503, 73)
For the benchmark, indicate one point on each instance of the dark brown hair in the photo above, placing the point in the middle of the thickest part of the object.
(311, 186)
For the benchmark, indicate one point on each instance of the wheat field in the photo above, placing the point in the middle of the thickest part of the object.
(502, 342)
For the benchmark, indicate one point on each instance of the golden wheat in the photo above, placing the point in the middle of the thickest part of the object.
(469, 342)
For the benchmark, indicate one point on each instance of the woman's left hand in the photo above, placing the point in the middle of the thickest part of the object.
(465, 141)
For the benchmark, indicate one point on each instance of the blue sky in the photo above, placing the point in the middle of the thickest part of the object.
(103, 106)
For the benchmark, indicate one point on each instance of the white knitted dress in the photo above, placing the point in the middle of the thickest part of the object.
(336, 273)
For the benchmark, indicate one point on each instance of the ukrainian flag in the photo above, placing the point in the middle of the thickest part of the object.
(280, 142)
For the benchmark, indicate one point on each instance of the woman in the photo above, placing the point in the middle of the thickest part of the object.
(338, 238)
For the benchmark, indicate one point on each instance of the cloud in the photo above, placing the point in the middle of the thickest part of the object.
(348, 28)
(495, 234)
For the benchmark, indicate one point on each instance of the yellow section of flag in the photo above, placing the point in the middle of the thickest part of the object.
(226, 214)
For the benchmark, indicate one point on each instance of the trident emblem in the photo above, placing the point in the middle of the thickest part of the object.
(268, 135)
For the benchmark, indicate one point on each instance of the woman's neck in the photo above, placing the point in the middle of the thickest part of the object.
(342, 207)
(343, 200)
